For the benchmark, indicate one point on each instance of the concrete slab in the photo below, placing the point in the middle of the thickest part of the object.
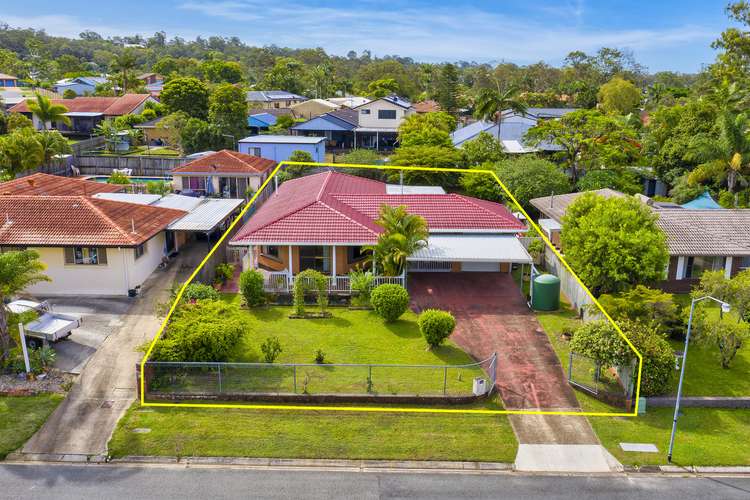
(639, 447)
(565, 458)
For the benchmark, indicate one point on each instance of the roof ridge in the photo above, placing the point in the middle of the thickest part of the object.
(322, 190)
(322, 202)
(90, 203)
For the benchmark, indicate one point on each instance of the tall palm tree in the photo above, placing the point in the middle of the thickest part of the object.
(52, 143)
(491, 103)
(726, 159)
(123, 63)
(403, 234)
(46, 111)
(18, 270)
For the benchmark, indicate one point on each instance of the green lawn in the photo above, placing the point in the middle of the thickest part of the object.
(300, 434)
(158, 151)
(21, 416)
(349, 337)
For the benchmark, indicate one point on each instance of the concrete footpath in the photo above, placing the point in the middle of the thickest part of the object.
(83, 423)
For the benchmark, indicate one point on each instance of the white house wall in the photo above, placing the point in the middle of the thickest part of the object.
(371, 120)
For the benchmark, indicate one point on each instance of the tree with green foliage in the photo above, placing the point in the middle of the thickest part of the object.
(427, 129)
(52, 143)
(613, 243)
(48, 112)
(619, 97)
(426, 156)
(381, 88)
(217, 71)
(305, 282)
(623, 180)
(733, 62)
(282, 125)
(227, 110)
(390, 301)
(118, 178)
(188, 95)
(20, 151)
(726, 332)
(69, 94)
(482, 185)
(735, 290)
(197, 135)
(125, 62)
(447, 88)
(287, 74)
(199, 291)
(588, 139)
(158, 187)
(529, 177)
(491, 103)
(18, 270)
(482, 149)
(170, 128)
(436, 326)
(646, 305)
(251, 287)
(403, 234)
(16, 121)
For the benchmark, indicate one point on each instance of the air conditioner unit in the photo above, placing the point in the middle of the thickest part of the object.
(480, 386)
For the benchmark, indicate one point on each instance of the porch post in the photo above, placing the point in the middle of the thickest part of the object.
(680, 268)
(291, 270)
(377, 141)
(333, 266)
(728, 267)
(251, 254)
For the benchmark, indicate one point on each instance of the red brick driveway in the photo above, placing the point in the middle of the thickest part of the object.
(492, 316)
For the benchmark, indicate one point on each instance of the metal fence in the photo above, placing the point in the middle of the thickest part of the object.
(283, 282)
(185, 379)
(611, 383)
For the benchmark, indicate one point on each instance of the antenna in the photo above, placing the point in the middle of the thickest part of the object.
(132, 225)
(552, 200)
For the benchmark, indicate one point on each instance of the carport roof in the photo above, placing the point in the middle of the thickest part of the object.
(473, 248)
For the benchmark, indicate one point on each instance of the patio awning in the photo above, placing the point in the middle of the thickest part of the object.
(473, 248)
(207, 215)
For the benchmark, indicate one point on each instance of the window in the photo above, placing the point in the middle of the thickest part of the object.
(140, 250)
(194, 183)
(387, 114)
(314, 257)
(355, 254)
(696, 266)
(745, 262)
(86, 256)
(365, 111)
(270, 250)
(253, 151)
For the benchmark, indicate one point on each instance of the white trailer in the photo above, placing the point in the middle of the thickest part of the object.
(49, 327)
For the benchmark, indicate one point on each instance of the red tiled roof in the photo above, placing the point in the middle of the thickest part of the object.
(428, 106)
(108, 106)
(227, 162)
(79, 220)
(55, 185)
(332, 207)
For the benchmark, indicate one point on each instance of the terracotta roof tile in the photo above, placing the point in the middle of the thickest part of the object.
(108, 106)
(55, 185)
(79, 220)
(226, 162)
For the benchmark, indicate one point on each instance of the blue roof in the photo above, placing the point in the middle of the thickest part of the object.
(397, 100)
(326, 122)
(703, 202)
(261, 120)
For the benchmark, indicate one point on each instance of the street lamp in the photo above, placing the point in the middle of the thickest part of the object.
(725, 308)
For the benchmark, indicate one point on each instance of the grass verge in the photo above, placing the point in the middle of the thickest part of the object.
(21, 416)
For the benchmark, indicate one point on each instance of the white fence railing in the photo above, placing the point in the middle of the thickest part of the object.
(281, 282)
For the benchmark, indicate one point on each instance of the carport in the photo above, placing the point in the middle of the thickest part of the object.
(469, 253)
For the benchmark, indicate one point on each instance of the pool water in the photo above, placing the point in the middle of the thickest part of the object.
(134, 180)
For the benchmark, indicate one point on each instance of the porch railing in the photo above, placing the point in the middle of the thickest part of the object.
(283, 282)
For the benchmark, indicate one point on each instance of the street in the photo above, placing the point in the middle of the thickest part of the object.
(62, 481)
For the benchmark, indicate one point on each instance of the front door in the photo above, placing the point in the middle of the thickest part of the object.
(315, 257)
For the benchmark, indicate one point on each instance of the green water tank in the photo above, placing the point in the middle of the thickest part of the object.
(546, 293)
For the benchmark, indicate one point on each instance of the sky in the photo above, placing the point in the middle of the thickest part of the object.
(664, 35)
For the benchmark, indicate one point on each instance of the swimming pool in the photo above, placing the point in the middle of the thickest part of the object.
(134, 180)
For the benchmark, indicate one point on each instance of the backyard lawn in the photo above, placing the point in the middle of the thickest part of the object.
(348, 337)
(302, 434)
(21, 416)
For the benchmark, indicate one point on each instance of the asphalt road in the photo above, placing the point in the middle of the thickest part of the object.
(177, 482)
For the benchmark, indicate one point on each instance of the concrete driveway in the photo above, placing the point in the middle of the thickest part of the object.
(100, 318)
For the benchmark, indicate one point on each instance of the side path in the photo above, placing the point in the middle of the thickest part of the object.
(85, 420)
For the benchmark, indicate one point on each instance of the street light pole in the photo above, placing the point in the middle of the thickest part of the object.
(724, 308)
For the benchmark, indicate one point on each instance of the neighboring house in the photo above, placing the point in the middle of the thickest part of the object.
(260, 121)
(378, 122)
(312, 108)
(226, 173)
(697, 239)
(280, 147)
(273, 99)
(351, 101)
(10, 98)
(86, 113)
(428, 106)
(322, 221)
(41, 184)
(8, 81)
(150, 78)
(152, 133)
(81, 85)
(339, 128)
(513, 128)
(89, 246)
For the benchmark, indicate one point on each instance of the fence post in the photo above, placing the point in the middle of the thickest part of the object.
(445, 379)
(219, 366)
(369, 378)
(295, 378)
(570, 366)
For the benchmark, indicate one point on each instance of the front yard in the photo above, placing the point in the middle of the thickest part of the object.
(313, 434)
(21, 416)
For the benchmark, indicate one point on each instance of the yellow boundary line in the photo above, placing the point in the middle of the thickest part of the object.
(385, 409)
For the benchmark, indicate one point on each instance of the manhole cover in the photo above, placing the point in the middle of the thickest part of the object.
(107, 404)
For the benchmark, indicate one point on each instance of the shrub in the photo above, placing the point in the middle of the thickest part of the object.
(271, 348)
(436, 326)
(199, 291)
(204, 331)
(223, 272)
(69, 94)
(40, 360)
(118, 178)
(390, 301)
(320, 357)
(305, 281)
(361, 283)
(158, 187)
(251, 287)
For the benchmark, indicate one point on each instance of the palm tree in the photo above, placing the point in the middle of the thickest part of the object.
(46, 111)
(18, 270)
(491, 103)
(726, 159)
(124, 63)
(52, 143)
(403, 234)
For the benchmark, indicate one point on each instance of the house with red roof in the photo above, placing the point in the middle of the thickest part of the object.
(85, 113)
(226, 173)
(323, 221)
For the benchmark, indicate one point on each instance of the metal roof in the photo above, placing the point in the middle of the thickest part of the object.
(207, 215)
(140, 199)
(272, 95)
(399, 189)
(83, 114)
(472, 248)
(282, 139)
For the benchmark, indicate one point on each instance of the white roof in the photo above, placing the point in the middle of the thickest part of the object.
(206, 216)
(472, 248)
(349, 102)
(282, 139)
(399, 189)
(376, 129)
(178, 201)
(550, 225)
(140, 199)
(516, 147)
